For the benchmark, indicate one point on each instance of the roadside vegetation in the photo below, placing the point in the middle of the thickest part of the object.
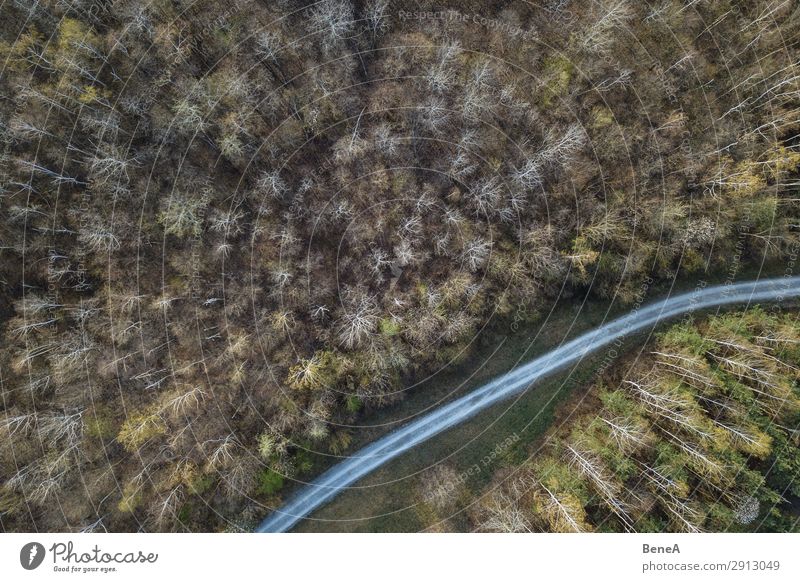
(698, 434)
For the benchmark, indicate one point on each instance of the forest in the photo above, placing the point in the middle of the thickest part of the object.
(232, 231)
(698, 434)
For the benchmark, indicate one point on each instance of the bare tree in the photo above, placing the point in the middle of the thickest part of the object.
(334, 20)
(359, 319)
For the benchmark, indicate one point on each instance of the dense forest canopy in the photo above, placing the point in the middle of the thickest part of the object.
(230, 230)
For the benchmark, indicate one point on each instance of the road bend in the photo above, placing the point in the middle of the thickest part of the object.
(346, 472)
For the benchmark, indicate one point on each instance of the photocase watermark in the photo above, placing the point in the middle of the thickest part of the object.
(450, 485)
(559, 12)
(31, 555)
(65, 558)
(455, 16)
(694, 301)
(739, 248)
(792, 255)
(671, 93)
(197, 289)
(212, 26)
(613, 352)
(521, 313)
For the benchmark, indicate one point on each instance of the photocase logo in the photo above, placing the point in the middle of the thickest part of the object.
(31, 555)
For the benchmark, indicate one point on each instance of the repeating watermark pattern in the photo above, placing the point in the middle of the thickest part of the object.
(512, 155)
(453, 16)
(484, 464)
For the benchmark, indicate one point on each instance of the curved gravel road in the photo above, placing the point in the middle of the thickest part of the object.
(314, 494)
